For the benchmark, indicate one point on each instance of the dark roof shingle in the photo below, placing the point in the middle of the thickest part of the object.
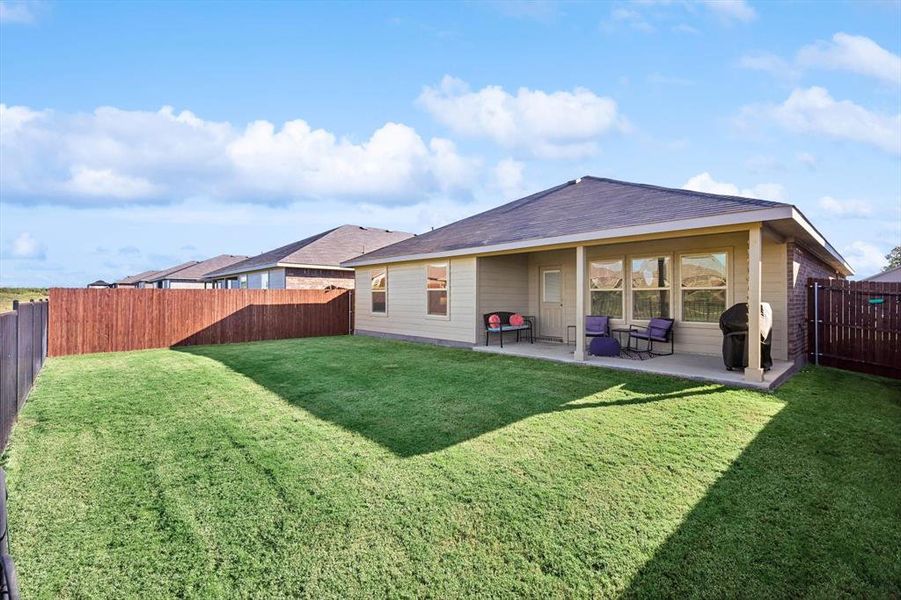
(581, 206)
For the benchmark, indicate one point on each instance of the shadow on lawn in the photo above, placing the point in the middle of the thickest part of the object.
(810, 508)
(401, 398)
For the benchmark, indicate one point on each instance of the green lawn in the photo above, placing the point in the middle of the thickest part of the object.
(353, 467)
(7, 295)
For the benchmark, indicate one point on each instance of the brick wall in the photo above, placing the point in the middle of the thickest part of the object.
(801, 264)
(317, 279)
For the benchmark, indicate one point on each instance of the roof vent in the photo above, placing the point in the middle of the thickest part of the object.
(579, 180)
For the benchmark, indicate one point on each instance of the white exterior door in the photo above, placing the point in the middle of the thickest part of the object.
(550, 317)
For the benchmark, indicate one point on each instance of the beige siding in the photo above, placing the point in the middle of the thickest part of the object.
(774, 290)
(504, 284)
(406, 314)
(185, 285)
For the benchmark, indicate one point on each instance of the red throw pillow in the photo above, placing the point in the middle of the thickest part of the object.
(516, 320)
(494, 321)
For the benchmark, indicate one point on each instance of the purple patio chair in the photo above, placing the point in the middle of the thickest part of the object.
(659, 330)
(597, 326)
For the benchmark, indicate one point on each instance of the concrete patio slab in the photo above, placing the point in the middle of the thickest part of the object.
(689, 366)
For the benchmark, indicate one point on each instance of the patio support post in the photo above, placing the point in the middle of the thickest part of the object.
(754, 372)
(579, 353)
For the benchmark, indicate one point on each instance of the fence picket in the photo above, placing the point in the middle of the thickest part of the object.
(89, 320)
(854, 333)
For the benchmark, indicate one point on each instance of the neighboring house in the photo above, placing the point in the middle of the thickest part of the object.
(132, 281)
(601, 246)
(311, 263)
(193, 275)
(99, 284)
(888, 276)
(154, 278)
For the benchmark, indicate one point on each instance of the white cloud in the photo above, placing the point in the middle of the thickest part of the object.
(704, 182)
(855, 53)
(508, 175)
(731, 10)
(106, 183)
(813, 110)
(114, 155)
(20, 11)
(845, 208)
(25, 246)
(864, 257)
(546, 124)
(620, 16)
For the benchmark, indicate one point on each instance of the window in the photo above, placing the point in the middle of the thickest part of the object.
(264, 280)
(552, 289)
(651, 287)
(378, 281)
(242, 282)
(436, 289)
(605, 284)
(703, 282)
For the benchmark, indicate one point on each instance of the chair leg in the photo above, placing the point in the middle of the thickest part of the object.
(486, 337)
(502, 337)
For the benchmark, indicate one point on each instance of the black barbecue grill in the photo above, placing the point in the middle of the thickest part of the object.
(734, 325)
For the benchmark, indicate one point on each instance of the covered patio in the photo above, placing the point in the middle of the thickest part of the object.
(688, 366)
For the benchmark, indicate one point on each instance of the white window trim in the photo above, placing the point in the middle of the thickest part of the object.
(369, 277)
(730, 286)
(628, 283)
(446, 265)
(542, 270)
(622, 290)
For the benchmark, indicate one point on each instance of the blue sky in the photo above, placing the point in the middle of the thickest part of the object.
(139, 135)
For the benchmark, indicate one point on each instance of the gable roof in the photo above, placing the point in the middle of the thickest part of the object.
(327, 249)
(889, 276)
(581, 210)
(136, 278)
(197, 271)
(162, 274)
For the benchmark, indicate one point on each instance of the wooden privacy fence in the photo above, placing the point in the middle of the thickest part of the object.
(23, 348)
(111, 320)
(855, 325)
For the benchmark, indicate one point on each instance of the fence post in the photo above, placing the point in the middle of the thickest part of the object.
(816, 323)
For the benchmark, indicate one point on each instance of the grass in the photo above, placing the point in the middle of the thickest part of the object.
(352, 467)
(7, 295)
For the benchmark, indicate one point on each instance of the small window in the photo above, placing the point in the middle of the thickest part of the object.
(704, 286)
(651, 283)
(605, 284)
(436, 289)
(242, 282)
(378, 281)
(264, 280)
(552, 288)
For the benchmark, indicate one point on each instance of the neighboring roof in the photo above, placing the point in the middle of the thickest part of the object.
(327, 249)
(197, 271)
(583, 209)
(887, 276)
(131, 279)
(159, 275)
(98, 283)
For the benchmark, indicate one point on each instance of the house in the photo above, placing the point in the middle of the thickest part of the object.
(132, 281)
(192, 275)
(311, 263)
(887, 276)
(152, 278)
(99, 284)
(600, 246)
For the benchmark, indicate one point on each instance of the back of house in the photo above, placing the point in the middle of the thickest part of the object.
(597, 246)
